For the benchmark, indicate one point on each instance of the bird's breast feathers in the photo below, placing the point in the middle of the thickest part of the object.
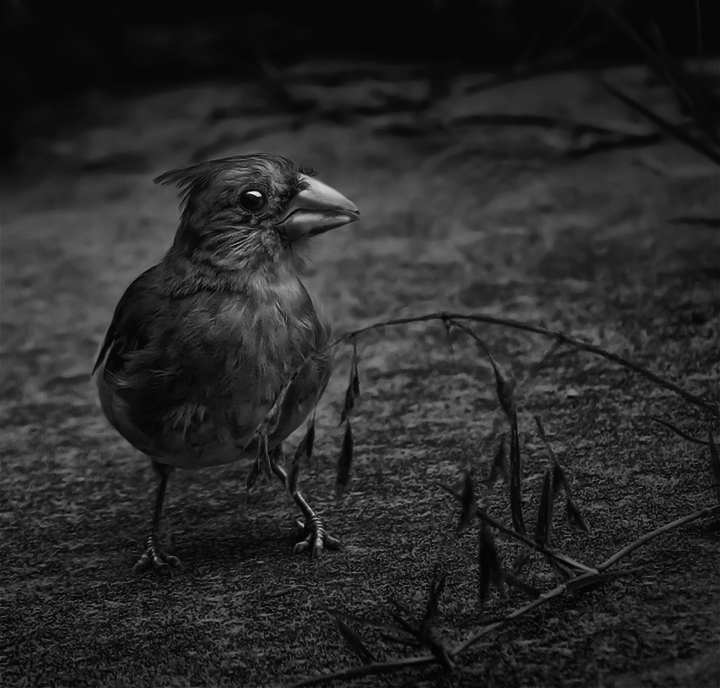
(188, 380)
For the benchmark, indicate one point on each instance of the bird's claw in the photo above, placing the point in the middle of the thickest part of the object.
(315, 538)
(155, 558)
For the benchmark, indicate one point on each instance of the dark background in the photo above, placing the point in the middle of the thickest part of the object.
(54, 51)
(552, 163)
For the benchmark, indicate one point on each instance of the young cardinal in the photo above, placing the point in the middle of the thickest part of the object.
(202, 344)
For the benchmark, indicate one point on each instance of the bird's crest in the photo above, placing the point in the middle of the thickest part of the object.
(196, 177)
(199, 176)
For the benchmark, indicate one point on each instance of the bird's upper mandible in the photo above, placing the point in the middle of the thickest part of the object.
(315, 209)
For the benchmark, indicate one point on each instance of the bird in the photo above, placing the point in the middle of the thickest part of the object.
(220, 334)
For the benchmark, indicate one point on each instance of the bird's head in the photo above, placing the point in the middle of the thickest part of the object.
(252, 211)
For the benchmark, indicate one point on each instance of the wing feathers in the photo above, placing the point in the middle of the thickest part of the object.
(192, 377)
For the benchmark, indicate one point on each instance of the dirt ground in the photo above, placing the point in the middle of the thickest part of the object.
(503, 220)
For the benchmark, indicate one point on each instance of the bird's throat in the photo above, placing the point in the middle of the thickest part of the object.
(198, 271)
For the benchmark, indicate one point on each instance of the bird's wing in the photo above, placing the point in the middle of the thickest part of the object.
(127, 332)
(129, 338)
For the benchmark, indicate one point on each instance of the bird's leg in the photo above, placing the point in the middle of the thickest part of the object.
(153, 556)
(315, 537)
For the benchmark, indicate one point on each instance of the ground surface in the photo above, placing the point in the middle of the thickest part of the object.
(490, 219)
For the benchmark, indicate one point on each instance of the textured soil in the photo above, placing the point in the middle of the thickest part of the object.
(493, 219)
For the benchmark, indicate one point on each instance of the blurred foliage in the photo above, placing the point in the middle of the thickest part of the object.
(52, 49)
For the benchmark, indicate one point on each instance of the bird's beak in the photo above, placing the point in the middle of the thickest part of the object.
(316, 209)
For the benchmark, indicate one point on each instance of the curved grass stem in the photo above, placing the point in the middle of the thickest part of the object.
(559, 336)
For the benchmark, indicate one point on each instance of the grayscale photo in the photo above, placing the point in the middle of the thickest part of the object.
(360, 344)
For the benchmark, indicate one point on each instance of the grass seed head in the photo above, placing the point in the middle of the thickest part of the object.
(516, 479)
(344, 463)
(574, 517)
(469, 505)
(353, 388)
(490, 569)
(499, 466)
(545, 510)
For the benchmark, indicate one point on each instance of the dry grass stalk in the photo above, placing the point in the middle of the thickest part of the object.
(578, 583)
(576, 575)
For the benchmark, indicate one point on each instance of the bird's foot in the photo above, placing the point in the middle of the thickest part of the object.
(155, 558)
(315, 538)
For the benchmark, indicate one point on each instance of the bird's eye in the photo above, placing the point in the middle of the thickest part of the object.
(252, 200)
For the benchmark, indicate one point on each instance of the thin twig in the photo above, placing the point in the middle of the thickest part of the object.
(591, 577)
(410, 662)
(667, 68)
(679, 432)
(664, 124)
(710, 511)
(563, 587)
(485, 630)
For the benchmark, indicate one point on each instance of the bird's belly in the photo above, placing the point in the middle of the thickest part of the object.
(199, 436)
(198, 403)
